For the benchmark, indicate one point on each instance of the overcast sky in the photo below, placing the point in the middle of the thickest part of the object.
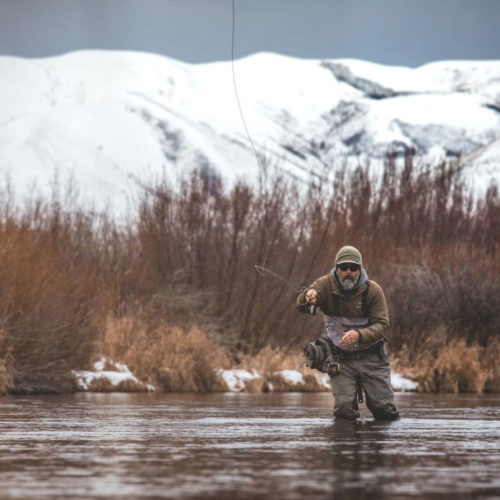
(397, 32)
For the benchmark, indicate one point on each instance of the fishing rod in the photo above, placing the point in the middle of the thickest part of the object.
(261, 270)
(311, 308)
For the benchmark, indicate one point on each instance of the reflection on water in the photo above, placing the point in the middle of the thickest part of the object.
(246, 446)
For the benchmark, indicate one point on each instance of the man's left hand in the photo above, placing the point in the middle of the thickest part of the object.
(350, 337)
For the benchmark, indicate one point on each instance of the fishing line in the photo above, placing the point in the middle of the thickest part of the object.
(262, 173)
(262, 270)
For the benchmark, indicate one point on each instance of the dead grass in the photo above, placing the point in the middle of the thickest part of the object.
(269, 360)
(168, 357)
(451, 366)
(458, 368)
(5, 379)
(491, 357)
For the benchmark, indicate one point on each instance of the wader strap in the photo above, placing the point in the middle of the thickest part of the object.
(364, 304)
(337, 305)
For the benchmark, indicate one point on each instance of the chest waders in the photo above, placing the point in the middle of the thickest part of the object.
(326, 353)
(349, 377)
(336, 327)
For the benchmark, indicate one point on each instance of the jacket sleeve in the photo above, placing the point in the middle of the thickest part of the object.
(379, 315)
(321, 285)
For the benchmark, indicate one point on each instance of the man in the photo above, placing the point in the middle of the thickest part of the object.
(356, 320)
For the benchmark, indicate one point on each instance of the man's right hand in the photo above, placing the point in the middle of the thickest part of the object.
(311, 295)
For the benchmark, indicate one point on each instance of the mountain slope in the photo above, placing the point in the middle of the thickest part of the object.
(110, 119)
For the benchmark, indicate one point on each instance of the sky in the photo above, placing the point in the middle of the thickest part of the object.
(394, 32)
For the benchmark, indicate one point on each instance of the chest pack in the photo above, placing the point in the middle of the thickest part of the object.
(336, 326)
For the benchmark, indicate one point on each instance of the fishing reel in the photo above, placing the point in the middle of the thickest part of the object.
(311, 309)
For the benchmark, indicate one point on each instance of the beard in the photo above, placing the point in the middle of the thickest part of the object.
(348, 283)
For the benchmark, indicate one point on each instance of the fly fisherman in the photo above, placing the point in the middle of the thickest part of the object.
(352, 350)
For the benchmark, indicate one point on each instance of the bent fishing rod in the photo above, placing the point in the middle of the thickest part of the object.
(311, 308)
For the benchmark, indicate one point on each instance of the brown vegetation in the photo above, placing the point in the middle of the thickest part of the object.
(50, 296)
(170, 358)
(452, 366)
(173, 292)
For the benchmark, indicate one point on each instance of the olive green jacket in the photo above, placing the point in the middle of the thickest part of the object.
(335, 302)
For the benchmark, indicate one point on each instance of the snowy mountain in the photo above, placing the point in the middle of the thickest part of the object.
(112, 119)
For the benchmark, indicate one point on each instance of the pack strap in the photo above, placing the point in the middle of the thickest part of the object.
(364, 304)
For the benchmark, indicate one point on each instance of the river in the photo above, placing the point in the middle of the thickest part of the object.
(234, 445)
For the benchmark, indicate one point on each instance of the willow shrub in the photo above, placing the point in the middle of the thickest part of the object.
(50, 296)
(423, 236)
(186, 258)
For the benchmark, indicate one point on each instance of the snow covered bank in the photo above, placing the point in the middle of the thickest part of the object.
(239, 380)
(108, 376)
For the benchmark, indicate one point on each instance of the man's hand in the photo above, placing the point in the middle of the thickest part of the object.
(311, 295)
(350, 337)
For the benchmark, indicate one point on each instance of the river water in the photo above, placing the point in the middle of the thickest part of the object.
(246, 446)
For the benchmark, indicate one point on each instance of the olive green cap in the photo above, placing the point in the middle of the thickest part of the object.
(349, 254)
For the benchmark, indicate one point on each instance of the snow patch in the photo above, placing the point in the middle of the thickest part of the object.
(291, 376)
(323, 380)
(402, 384)
(236, 379)
(101, 375)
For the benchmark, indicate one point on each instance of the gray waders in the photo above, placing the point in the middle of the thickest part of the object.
(358, 367)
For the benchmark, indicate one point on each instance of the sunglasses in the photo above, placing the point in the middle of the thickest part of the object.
(347, 265)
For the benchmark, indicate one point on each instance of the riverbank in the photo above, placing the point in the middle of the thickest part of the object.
(132, 356)
(173, 359)
(108, 376)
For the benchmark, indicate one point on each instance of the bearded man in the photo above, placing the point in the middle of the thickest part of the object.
(356, 320)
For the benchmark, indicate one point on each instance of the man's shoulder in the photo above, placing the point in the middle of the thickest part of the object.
(324, 281)
(373, 287)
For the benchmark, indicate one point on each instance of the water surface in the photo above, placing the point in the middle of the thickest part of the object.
(246, 446)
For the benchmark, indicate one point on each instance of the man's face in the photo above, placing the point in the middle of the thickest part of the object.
(348, 274)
